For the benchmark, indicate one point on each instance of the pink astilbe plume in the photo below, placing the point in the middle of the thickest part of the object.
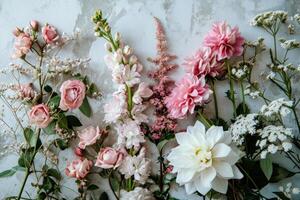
(163, 86)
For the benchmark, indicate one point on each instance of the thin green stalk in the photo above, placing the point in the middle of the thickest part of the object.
(231, 84)
(207, 123)
(215, 99)
(243, 97)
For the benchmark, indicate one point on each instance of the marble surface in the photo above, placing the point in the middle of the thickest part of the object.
(185, 22)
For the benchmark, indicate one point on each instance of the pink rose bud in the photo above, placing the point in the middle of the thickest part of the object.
(72, 94)
(78, 168)
(40, 116)
(78, 152)
(49, 34)
(34, 25)
(110, 158)
(26, 91)
(88, 136)
(169, 169)
(17, 31)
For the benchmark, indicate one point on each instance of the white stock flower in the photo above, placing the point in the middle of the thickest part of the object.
(204, 160)
(117, 106)
(137, 194)
(143, 91)
(136, 166)
(130, 135)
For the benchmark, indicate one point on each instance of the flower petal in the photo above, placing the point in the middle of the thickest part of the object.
(208, 175)
(220, 185)
(221, 150)
(237, 173)
(214, 134)
(190, 188)
(223, 169)
(203, 189)
(185, 176)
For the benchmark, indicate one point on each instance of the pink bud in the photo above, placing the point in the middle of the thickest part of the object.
(34, 25)
(17, 31)
(78, 151)
(169, 169)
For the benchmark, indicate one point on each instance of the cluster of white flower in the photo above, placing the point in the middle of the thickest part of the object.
(242, 126)
(136, 166)
(268, 19)
(278, 106)
(252, 93)
(273, 139)
(297, 17)
(137, 194)
(59, 67)
(241, 70)
(289, 44)
(289, 190)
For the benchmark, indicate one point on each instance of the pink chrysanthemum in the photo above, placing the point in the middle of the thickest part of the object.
(224, 40)
(188, 93)
(204, 62)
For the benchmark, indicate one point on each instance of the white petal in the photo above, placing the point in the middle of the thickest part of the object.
(220, 185)
(214, 134)
(208, 175)
(203, 189)
(232, 157)
(185, 176)
(190, 188)
(237, 173)
(226, 138)
(221, 150)
(223, 169)
(182, 138)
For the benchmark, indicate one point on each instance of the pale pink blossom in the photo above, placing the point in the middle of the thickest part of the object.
(143, 91)
(225, 41)
(26, 91)
(203, 63)
(17, 31)
(88, 136)
(131, 75)
(188, 93)
(22, 45)
(110, 158)
(49, 34)
(72, 94)
(137, 113)
(40, 115)
(78, 168)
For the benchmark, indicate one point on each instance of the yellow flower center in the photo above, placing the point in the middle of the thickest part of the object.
(204, 155)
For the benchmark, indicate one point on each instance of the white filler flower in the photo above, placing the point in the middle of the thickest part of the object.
(204, 160)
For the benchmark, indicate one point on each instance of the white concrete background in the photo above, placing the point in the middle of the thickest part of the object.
(185, 22)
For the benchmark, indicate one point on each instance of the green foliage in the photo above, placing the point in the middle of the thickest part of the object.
(10, 172)
(267, 167)
(85, 108)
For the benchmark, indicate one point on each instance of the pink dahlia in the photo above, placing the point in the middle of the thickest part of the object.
(224, 40)
(203, 63)
(189, 92)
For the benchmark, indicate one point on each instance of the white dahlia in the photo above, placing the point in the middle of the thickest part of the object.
(204, 160)
(137, 194)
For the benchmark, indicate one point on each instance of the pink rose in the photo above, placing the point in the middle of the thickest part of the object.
(22, 45)
(225, 41)
(88, 136)
(203, 63)
(189, 92)
(78, 168)
(72, 94)
(79, 152)
(49, 34)
(26, 91)
(40, 116)
(110, 158)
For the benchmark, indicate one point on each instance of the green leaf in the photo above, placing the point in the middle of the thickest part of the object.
(92, 187)
(115, 184)
(48, 88)
(26, 157)
(62, 121)
(280, 173)
(7, 173)
(281, 195)
(85, 108)
(267, 167)
(60, 143)
(54, 173)
(73, 121)
(31, 138)
(240, 110)
(161, 145)
(50, 129)
(104, 196)
(54, 102)
(92, 90)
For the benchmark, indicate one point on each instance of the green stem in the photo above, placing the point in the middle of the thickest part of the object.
(129, 103)
(23, 183)
(296, 118)
(275, 46)
(215, 98)
(232, 96)
(207, 123)
(243, 97)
